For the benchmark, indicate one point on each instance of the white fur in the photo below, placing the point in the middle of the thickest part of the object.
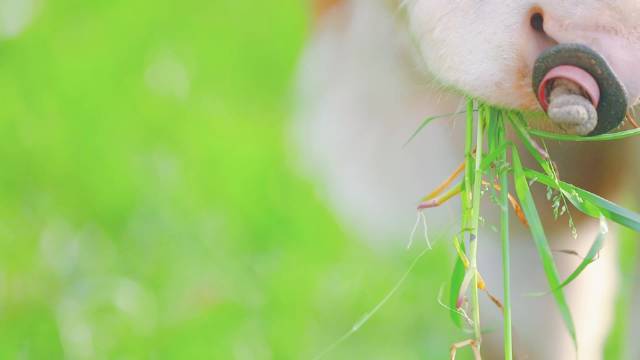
(482, 47)
(360, 102)
(373, 72)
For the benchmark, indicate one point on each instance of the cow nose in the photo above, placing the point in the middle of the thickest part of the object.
(573, 81)
(537, 21)
(578, 89)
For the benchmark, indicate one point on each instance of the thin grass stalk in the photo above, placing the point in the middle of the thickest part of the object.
(475, 222)
(576, 138)
(468, 174)
(504, 235)
(467, 208)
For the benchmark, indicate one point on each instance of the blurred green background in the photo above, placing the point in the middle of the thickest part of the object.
(148, 206)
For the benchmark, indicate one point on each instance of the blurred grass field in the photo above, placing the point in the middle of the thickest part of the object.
(148, 208)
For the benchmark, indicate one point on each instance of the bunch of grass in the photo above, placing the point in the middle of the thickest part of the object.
(487, 169)
(492, 165)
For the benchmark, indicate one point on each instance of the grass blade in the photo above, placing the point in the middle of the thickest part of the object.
(428, 121)
(611, 210)
(591, 255)
(367, 316)
(540, 240)
(529, 143)
(604, 137)
(475, 216)
(493, 156)
(590, 203)
(499, 140)
(457, 276)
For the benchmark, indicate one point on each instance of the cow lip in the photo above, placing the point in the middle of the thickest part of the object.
(612, 97)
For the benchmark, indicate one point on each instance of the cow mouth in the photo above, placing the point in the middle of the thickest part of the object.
(593, 101)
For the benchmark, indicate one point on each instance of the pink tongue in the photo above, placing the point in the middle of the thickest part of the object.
(572, 73)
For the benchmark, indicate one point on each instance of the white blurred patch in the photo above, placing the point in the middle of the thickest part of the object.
(168, 76)
(165, 168)
(75, 332)
(137, 304)
(357, 105)
(15, 16)
(59, 247)
(251, 343)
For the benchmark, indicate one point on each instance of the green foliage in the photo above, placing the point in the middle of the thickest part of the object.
(540, 240)
(148, 206)
(591, 256)
(457, 276)
(620, 337)
(428, 121)
(604, 137)
(493, 165)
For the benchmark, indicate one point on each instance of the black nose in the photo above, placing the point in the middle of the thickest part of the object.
(613, 106)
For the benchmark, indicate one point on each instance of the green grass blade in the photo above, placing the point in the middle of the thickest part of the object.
(591, 255)
(540, 240)
(590, 258)
(619, 338)
(590, 203)
(457, 276)
(498, 139)
(494, 155)
(604, 137)
(569, 191)
(611, 210)
(475, 217)
(428, 121)
(528, 142)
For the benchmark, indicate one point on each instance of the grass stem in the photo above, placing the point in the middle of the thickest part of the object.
(504, 235)
(475, 221)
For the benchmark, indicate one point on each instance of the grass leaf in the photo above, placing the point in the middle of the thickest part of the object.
(426, 122)
(590, 203)
(540, 240)
(494, 155)
(597, 245)
(529, 143)
(457, 276)
(604, 137)
(591, 255)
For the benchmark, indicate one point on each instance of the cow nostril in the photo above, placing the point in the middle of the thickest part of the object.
(537, 22)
